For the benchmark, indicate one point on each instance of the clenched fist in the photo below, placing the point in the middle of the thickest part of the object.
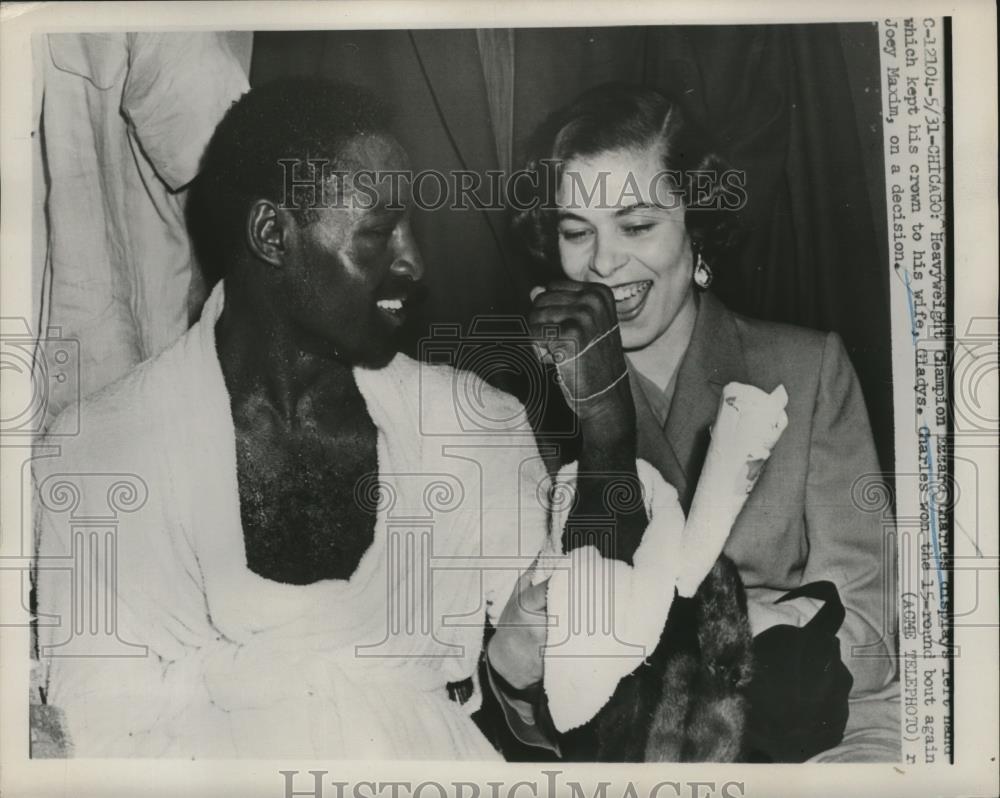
(575, 327)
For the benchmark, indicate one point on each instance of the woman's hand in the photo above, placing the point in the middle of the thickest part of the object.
(575, 327)
(515, 650)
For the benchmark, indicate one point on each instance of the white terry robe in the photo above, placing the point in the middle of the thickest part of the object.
(237, 665)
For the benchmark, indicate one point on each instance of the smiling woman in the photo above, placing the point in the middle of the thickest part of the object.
(638, 201)
(634, 204)
(623, 233)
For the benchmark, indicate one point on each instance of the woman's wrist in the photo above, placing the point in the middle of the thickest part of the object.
(610, 423)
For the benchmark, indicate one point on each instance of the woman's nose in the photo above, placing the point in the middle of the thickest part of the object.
(608, 259)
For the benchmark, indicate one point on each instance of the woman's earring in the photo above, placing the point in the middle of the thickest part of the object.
(702, 273)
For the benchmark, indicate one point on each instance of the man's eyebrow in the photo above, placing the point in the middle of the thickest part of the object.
(385, 206)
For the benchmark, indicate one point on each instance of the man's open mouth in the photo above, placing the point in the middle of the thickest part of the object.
(393, 308)
(630, 298)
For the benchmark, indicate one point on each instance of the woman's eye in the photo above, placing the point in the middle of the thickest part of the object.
(637, 229)
(573, 235)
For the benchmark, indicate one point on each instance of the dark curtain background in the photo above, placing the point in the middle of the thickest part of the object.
(796, 106)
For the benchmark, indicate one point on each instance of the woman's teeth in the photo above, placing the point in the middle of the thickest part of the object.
(392, 305)
(629, 290)
(630, 299)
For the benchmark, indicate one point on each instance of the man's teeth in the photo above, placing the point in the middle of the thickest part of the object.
(390, 304)
(629, 290)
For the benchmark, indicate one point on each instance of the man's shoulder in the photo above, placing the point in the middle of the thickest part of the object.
(109, 405)
(458, 400)
(119, 418)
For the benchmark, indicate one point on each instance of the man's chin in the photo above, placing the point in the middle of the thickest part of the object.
(375, 363)
(375, 358)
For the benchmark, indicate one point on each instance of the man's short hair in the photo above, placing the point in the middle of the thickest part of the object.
(292, 119)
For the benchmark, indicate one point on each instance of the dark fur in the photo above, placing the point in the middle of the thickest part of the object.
(686, 702)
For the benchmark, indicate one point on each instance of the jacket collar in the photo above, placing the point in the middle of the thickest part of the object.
(713, 359)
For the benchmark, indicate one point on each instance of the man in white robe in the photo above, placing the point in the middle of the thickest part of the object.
(296, 544)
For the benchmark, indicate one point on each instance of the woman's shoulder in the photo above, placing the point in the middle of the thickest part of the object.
(778, 337)
(782, 342)
(787, 351)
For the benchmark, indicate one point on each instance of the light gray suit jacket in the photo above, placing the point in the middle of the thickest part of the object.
(807, 518)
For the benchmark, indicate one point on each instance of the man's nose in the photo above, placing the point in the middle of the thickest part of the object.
(408, 261)
(608, 257)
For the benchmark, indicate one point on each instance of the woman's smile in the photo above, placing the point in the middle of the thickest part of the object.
(630, 298)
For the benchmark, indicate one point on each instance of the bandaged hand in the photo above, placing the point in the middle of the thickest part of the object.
(575, 327)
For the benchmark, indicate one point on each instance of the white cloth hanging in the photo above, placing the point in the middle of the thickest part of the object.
(122, 120)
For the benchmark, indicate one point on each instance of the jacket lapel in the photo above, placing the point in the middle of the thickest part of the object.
(714, 358)
(652, 443)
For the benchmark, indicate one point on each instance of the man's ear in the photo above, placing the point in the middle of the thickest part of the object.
(266, 233)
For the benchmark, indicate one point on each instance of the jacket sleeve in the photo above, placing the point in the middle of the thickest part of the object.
(847, 544)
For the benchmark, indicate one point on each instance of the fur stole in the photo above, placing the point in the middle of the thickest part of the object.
(686, 702)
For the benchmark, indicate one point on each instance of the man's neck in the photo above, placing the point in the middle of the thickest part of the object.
(262, 360)
(659, 361)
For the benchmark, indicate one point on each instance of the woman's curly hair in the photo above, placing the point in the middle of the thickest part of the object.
(618, 116)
